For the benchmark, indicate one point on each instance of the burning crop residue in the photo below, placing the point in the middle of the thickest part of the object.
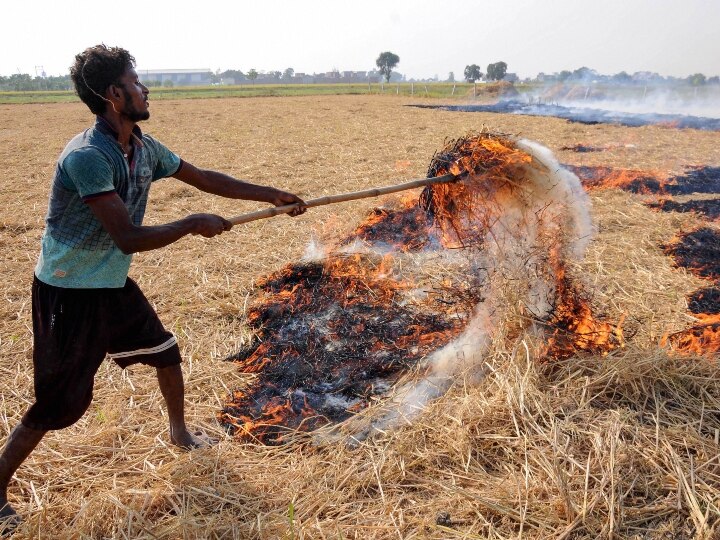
(572, 326)
(333, 335)
(406, 229)
(414, 297)
(702, 339)
(699, 252)
(694, 180)
(634, 181)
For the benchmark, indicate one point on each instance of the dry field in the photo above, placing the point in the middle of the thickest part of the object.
(618, 446)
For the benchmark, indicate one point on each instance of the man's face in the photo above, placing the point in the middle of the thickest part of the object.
(135, 94)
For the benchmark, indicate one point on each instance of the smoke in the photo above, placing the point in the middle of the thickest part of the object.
(635, 100)
(680, 107)
(531, 228)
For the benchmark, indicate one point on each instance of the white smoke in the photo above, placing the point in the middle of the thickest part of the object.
(550, 208)
(697, 101)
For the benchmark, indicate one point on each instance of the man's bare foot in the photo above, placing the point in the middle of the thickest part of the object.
(9, 519)
(191, 441)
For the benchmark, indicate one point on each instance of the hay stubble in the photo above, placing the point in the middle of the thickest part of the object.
(590, 447)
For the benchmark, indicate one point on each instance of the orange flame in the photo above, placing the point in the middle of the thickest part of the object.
(702, 339)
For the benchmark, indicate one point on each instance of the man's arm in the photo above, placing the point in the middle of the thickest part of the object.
(130, 238)
(224, 185)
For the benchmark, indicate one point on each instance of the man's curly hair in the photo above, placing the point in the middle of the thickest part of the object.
(95, 69)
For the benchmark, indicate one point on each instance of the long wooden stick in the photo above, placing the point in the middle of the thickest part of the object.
(352, 196)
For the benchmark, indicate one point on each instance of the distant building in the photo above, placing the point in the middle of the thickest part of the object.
(178, 77)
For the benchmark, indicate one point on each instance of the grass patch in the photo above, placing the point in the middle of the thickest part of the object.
(429, 90)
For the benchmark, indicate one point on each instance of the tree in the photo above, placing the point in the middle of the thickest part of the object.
(235, 74)
(584, 74)
(386, 62)
(252, 75)
(472, 73)
(697, 79)
(20, 82)
(621, 78)
(496, 71)
(288, 74)
(451, 77)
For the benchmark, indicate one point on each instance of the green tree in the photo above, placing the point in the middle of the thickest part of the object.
(234, 74)
(288, 74)
(584, 73)
(386, 62)
(20, 82)
(451, 77)
(622, 78)
(472, 73)
(252, 75)
(697, 79)
(496, 71)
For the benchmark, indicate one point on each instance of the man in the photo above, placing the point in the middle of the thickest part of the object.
(84, 305)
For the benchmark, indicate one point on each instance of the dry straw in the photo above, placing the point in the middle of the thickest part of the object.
(623, 446)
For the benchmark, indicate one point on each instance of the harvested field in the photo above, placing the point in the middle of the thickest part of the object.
(622, 445)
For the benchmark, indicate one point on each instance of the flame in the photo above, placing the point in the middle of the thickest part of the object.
(575, 328)
(702, 339)
(633, 180)
(464, 211)
(335, 334)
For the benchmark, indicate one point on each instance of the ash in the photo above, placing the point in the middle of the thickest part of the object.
(331, 336)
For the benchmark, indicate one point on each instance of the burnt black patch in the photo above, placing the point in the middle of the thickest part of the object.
(699, 252)
(695, 180)
(705, 300)
(401, 230)
(708, 208)
(324, 348)
(583, 148)
(631, 180)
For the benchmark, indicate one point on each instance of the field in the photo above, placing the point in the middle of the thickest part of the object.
(624, 445)
(444, 90)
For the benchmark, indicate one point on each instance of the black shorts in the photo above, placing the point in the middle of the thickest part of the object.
(74, 329)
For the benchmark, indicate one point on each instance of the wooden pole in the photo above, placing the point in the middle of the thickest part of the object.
(352, 196)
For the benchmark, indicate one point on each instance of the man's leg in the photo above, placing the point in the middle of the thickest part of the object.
(20, 443)
(173, 390)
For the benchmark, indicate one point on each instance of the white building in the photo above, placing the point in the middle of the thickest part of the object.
(178, 77)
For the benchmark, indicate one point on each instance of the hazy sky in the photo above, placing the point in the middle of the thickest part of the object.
(671, 37)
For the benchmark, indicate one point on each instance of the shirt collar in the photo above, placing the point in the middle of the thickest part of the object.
(105, 127)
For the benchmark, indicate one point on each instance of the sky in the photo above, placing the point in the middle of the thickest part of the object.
(431, 37)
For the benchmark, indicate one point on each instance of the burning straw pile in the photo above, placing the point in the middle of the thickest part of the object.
(396, 312)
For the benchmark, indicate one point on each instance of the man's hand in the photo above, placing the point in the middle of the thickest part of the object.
(208, 225)
(283, 198)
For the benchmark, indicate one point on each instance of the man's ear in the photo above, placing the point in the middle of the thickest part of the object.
(113, 92)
